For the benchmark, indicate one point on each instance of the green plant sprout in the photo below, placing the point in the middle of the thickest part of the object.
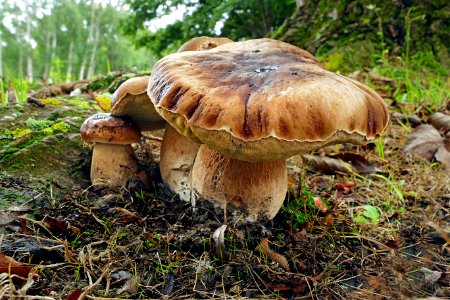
(3, 93)
(369, 214)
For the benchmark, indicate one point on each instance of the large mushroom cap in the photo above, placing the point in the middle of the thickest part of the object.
(107, 129)
(263, 100)
(131, 100)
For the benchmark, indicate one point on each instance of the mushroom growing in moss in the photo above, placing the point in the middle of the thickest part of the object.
(113, 158)
(252, 105)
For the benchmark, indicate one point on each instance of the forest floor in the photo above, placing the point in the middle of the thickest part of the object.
(359, 222)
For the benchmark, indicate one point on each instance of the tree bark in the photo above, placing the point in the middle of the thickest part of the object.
(88, 44)
(29, 50)
(70, 62)
(94, 53)
(20, 62)
(321, 25)
(52, 55)
(1, 57)
(47, 61)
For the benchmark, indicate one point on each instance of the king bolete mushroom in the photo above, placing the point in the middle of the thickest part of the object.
(252, 105)
(113, 158)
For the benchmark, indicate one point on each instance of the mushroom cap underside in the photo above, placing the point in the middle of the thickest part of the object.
(104, 128)
(263, 100)
(130, 100)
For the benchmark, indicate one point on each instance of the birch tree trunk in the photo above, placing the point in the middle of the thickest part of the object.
(47, 61)
(29, 49)
(20, 62)
(94, 53)
(70, 62)
(88, 44)
(1, 57)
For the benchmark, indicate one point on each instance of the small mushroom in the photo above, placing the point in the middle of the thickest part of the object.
(253, 104)
(113, 158)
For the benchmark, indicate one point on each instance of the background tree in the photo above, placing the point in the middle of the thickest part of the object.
(236, 19)
(65, 39)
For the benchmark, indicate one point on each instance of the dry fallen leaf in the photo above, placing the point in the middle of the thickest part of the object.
(13, 267)
(343, 163)
(326, 164)
(296, 289)
(344, 187)
(440, 121)
(74, 295)
(443, 156)
(57, 226)
(427, 142)
(321, 206)
(276, 257)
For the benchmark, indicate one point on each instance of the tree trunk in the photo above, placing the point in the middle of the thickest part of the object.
(94, 53)
(20, 63)
(320, 25)
(47, 61)
(30, 68)
(88, 44)
(1, 57)
(70, 62)
(29, 50)
(266, 18)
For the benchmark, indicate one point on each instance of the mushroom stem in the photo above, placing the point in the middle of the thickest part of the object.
(258, 189)
(113, 164)
(177, 156)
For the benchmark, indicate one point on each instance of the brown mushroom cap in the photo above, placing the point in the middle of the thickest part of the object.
(131, 100)
(107, 129)
(263, 100)
(203, 43)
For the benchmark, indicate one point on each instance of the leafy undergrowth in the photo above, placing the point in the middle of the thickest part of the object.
(375, 232)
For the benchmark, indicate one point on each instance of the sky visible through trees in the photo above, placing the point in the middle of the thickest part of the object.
(65, 40)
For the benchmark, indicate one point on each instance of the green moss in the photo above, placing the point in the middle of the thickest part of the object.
(79, 104)
(334, 61)
(52, 101)
(18, 132)
(37, 125)
(61, 127)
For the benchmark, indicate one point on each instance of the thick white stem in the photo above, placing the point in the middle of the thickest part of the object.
(176, 159)
(258, 189)
(113, 165)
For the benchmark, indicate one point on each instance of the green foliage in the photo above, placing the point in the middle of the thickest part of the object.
(56, 71)
(369, 214)
(20, 87)
(3, 93)
(418, 79)
(303, 208)
(37, 125)
(237, 19)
